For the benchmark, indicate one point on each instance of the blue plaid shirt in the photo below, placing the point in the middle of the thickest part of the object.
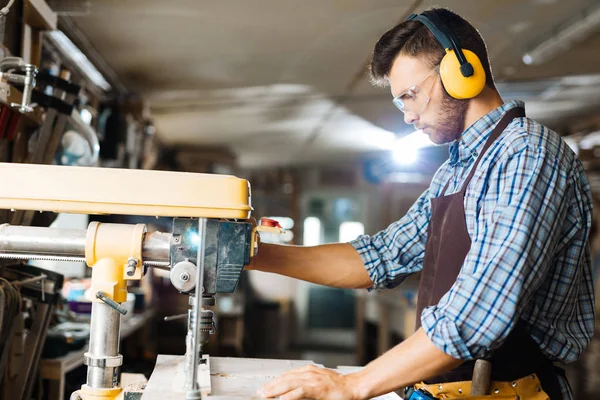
(528, 212)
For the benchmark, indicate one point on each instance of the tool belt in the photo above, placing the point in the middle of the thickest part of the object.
(526, 388)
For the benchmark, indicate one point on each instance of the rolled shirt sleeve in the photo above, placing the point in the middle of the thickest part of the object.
(398, 251)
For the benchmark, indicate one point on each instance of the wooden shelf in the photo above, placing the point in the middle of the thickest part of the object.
(39, 15)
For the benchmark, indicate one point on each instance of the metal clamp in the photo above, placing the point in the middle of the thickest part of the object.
(110, 302)
(27, 80)
(28, 85)
(103, 362)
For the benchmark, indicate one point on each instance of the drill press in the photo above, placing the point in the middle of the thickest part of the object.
(212, 238)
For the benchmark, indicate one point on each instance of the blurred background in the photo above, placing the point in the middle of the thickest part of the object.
(277, 92)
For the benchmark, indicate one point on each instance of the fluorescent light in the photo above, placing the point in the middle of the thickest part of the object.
(68, 48)
(406, 148)
(564, 38)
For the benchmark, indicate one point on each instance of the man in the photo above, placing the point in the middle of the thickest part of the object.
(500, 237)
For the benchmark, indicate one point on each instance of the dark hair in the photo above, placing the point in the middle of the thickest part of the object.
(415, 39)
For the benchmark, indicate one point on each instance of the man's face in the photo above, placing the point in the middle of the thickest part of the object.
(427, 105)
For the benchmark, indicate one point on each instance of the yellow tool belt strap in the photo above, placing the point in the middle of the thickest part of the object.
(527, 388)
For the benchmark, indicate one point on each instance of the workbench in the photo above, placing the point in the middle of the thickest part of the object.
(230, 378)
(55, 369)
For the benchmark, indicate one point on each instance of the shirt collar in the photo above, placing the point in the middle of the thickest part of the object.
(473, 139)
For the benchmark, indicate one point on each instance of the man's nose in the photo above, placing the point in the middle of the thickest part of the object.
(410, 117)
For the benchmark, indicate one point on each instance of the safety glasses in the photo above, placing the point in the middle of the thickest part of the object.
(417, 96)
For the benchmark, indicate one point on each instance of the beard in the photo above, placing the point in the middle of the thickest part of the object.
(451, 123)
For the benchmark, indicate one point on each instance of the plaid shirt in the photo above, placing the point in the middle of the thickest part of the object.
(528, 211)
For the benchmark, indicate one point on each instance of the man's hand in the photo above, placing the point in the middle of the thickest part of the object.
(411, 361)
(312, 382)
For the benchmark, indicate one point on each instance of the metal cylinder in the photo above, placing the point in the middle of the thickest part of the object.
(104, 342)
(101, 377)
(42, 241)
(69, 244)
(156, 247)
(196, 347)
(189, 352)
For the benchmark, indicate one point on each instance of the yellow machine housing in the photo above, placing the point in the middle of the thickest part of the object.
(84, 190)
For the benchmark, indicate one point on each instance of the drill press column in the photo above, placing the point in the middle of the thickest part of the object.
(104, 343)
(114, 252)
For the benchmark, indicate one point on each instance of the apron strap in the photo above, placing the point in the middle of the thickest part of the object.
(517, 112)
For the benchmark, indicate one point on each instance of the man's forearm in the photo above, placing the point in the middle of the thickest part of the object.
(410, 362)
(336, 265)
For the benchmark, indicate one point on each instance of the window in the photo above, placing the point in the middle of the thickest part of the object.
(312, 231)
(350, 230)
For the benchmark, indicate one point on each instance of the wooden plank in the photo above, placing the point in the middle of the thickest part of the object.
(133, 381)
(36, 47)
(26, 43)
(178, 382)
(231, 378)
(39, 15)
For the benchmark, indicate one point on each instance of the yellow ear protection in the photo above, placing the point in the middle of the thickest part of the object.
(461, 71)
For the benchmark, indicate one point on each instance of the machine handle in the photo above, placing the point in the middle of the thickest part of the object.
(175, 317)
(265, 225)
(110, 302)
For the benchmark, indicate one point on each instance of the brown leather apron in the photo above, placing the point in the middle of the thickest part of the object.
(448, 243)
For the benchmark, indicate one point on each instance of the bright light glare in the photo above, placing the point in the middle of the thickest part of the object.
(528, 59)
(406, 149)
(405, 155)
(351, 230)
(86, 116)
(194, 238)
(312, 231)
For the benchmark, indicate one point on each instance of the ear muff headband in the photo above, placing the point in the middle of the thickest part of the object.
(446, 39)
(462, 74)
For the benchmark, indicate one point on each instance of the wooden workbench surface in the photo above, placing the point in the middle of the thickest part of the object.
(231, 378)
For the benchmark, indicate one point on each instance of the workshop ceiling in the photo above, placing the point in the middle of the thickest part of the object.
(284, 81)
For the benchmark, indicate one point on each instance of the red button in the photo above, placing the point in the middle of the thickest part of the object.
(269, 222)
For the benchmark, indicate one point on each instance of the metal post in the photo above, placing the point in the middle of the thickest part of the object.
(196, 347)
(51, 242)
(189, 351)
(103, 355)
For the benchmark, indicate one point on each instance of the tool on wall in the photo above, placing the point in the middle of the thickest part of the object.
(30, 295)
(9, 73)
